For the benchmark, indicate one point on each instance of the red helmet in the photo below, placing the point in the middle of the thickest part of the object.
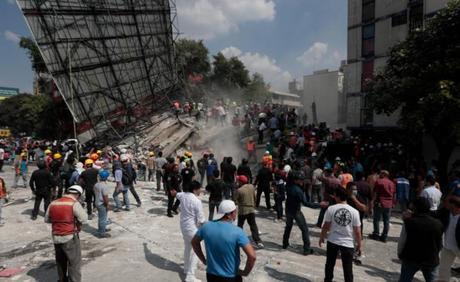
(243, 179)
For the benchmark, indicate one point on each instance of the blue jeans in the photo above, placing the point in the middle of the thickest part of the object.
(408, 270)
(384, 213)
(125, 197)
(102, 219)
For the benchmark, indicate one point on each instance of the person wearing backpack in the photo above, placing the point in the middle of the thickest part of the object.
(119, 187)
(129, 177)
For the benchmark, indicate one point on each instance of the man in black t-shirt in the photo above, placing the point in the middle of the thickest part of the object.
(216, 190)
(228, 175)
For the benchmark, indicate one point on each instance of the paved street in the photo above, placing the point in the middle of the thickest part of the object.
(147, 246)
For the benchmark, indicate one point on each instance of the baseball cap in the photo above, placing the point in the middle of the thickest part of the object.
(225, 207)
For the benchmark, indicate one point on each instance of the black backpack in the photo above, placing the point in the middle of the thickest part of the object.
(128, 175)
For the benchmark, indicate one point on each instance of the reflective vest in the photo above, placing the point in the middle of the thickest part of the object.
(251, 146)
(267, 161)
(62, 217)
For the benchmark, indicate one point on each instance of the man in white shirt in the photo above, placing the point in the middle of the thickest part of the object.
(342, 229)
(317, 185)
(431, 193)
(191, 218)
(2, 157)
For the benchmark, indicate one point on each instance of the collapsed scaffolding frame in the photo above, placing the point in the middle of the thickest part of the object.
(113, 61)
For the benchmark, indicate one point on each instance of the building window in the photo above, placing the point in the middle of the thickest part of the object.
(368, 47)
(399, 18)
(367, 73)
(368, 31)
(416, 17)
(368, 11)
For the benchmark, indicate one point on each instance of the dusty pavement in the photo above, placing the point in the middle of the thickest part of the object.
(147, 246)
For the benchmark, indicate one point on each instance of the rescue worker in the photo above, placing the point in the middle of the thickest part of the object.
(87, 180)
(55, 169)
(66, 216)
(263, 181)
(21, 170)
(41, 183)
(48, 158)
(251, 148)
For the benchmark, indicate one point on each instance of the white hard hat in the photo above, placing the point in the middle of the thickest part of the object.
(75, 189)
(314, 154)
(123, 151)
(124, 158)
(287, 168)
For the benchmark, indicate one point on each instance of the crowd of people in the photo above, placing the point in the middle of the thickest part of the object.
(348, 178)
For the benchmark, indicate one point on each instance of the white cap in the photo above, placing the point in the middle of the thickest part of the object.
(124, 158)
(75, 189)
(314, 154)
(225, 207)
(287, 168)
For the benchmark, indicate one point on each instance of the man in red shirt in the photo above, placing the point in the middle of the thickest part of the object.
(384, 197)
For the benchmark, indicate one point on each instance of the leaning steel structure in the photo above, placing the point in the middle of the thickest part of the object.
(112, 60)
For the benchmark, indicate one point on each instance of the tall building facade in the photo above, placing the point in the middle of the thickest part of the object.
(374, 26)
(321, 97)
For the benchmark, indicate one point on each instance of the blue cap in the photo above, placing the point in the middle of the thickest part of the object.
(104, 174)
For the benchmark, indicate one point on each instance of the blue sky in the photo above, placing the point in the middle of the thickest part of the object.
(282, 39)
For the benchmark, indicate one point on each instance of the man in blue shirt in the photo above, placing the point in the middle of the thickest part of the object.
(223, 241)
(402, 190)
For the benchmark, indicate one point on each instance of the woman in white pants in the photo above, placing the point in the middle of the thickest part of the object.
(191, 217)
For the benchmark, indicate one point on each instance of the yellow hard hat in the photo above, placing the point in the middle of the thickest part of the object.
(151, 154)
(47, 152)
(99, 152)
(89, 162)
(57, 156)
(23, 155)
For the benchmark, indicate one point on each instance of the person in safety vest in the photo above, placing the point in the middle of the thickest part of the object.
(66, 216)
(267, 160)
(251, 147)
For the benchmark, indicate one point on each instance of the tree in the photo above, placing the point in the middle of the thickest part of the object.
(192, 57)
(257, 89)
(422, 78)
(38, 64)
(34, 115)
(229, 72)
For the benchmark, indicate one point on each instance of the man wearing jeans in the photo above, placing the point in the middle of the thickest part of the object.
(295, 199)
(420, 243)
(342, 228)
(383, 200)
(120, 188)
(216, 192)
(101, 192)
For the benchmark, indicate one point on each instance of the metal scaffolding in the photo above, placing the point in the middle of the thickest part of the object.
(112, 60)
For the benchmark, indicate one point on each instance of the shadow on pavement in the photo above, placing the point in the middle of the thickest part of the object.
(44, 272)
(157, 211)
(377, 272)
(162, 263)
(283, 276)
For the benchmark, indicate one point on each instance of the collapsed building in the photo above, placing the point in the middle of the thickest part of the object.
(114, 65)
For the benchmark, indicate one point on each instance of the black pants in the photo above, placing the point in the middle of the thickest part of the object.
(38, 200)
(159, 176)
(266, 191)
(89, 199)
(172, 206)
(300, 220)
(279, 208)
(252, 225)
(213, 206)
(215, 278)
(347, 262)
(261, 137)
(133, 191)
(1, 165)
(322, 212)
(68, 260)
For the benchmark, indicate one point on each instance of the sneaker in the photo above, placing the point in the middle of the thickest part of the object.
(175, 212)
(105, 235)
(285, 246)
(34, 217)
(374, 237)
(170, 215)
(116, 210)
(139, 205)
(383, 239)
(260, 245)
(108, 229)
(127, 209)
(307, 252)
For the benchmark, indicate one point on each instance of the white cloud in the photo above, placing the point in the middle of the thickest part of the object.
(260, 63)
(206, 19)
(319, 56)
(11, 36)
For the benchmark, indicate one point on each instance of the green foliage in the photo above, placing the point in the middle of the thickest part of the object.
(38, 65)
(257, 89)
(229, 72)
(422, 78)
(33, 115)
(192, 57)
